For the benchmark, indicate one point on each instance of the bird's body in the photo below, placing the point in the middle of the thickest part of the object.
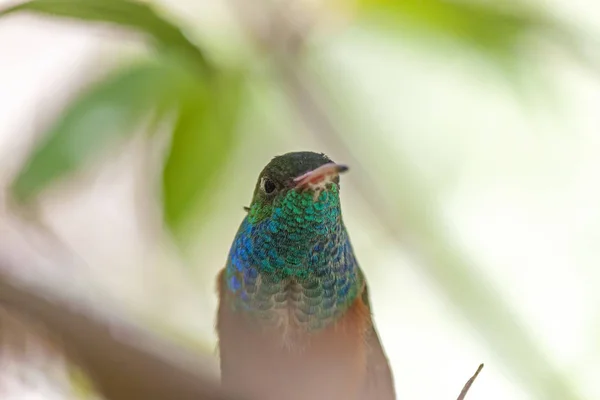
(294, 319)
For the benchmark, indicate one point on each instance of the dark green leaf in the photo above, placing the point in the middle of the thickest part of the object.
(125, 13)
(203, 136)
(484, 26)
(102, 114)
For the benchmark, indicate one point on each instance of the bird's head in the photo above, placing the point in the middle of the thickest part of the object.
(299, 186)
(294, 234)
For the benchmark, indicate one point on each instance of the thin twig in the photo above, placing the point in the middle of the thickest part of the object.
(467, 386)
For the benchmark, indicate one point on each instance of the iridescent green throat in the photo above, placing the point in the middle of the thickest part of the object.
(294, 253)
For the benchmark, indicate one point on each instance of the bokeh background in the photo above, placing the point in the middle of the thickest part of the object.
(471, 130)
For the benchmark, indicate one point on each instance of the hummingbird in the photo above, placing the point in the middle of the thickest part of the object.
(294, 319)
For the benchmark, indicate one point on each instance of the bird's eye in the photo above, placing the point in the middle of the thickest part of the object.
(268, 186)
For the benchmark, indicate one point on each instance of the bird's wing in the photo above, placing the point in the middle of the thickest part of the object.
(230, 333)
(379, 384)
(239, 348)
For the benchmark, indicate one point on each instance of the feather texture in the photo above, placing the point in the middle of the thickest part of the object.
(294, 318)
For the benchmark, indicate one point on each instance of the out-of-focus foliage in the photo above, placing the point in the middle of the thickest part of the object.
(499, 31)
(203, 134)
(200, 93)
(178, 80)
(136, 15)
(82, 384)
(456, 278)
(205, 99)
(106, 111)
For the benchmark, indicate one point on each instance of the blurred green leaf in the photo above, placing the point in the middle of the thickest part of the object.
(484, 26)
(203, 137)
(103, 113)
(125, 13)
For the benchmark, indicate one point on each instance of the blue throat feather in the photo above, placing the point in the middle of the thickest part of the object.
(293, 253)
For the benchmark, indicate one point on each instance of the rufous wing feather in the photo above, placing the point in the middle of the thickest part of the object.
(379, 383)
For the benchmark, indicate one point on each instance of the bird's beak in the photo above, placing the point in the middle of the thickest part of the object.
(319, 177)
